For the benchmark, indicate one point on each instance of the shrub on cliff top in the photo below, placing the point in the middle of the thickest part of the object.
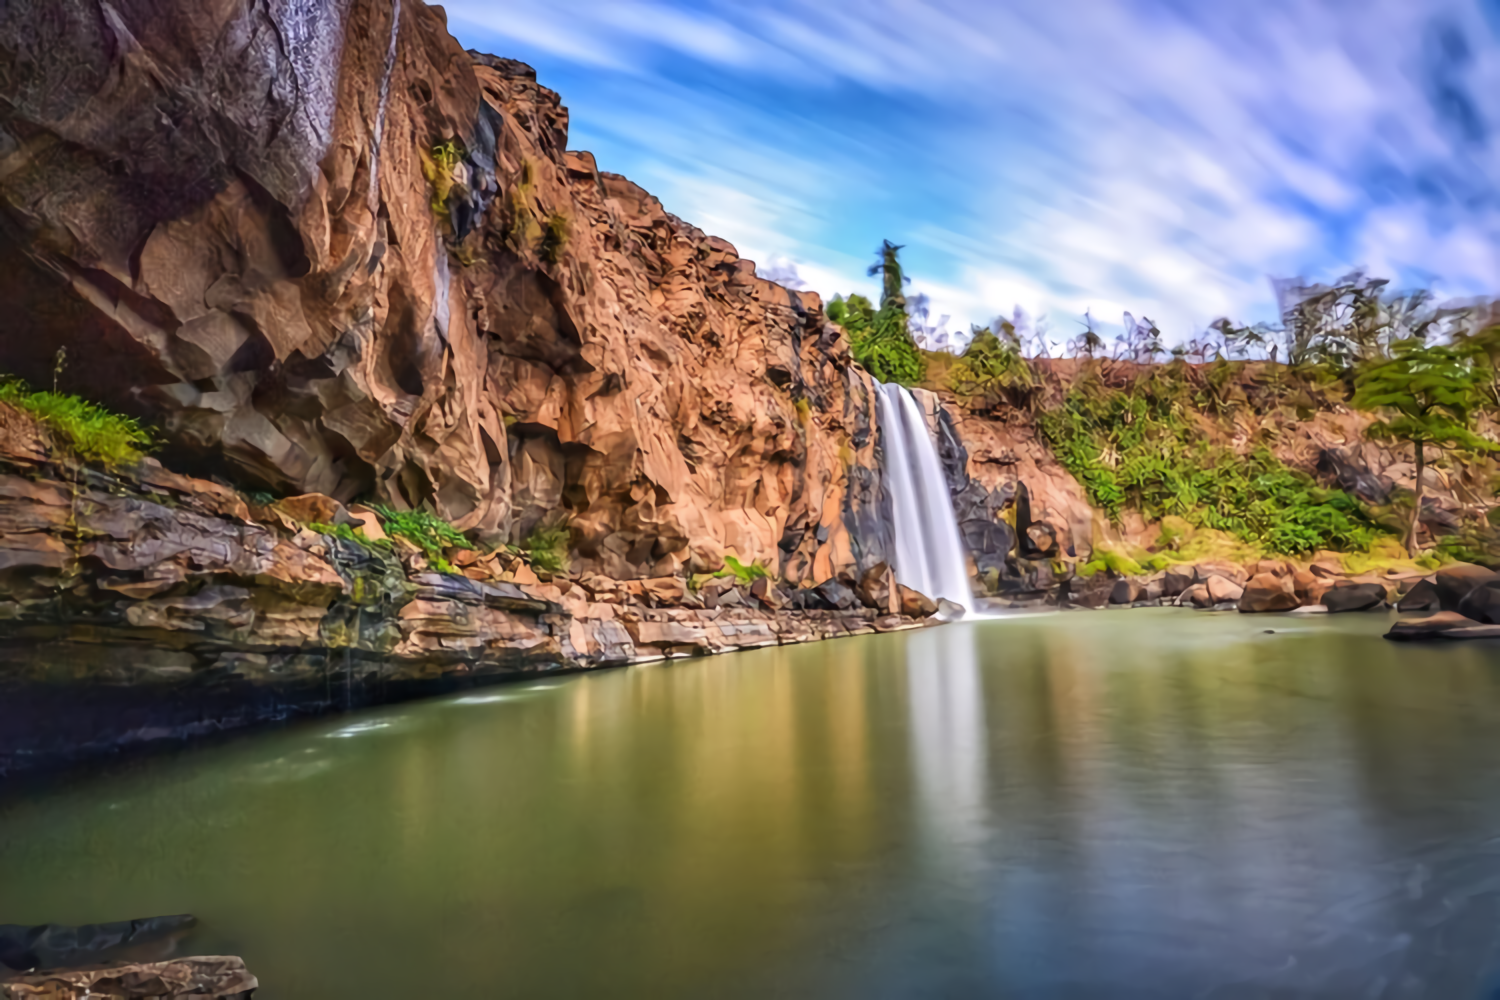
(881, 340)
(93, 434)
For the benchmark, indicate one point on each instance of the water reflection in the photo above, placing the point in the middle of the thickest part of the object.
(1108, 805)
(950, 758)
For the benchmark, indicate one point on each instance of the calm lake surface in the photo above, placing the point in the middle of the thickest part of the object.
(1112, 805)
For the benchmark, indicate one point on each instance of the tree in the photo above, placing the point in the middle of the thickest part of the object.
(881, 340)
(1429, 394)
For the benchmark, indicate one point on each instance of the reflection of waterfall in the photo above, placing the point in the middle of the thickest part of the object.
(929, 553)
(949, 740)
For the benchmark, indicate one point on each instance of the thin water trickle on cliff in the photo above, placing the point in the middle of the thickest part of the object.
(929, 554)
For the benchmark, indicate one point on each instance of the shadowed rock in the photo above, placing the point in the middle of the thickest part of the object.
(1453, 583)
(1348, 596)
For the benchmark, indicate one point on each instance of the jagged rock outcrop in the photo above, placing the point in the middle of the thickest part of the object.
(330, 251)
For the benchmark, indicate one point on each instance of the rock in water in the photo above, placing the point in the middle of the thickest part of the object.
(915, 605)
(1453, 583)
(1443, 625)
(1176, 580)
(947, 611)
(1482, 604)
(1223, 590)
(1348, 596)
(877, 589)
(1269, 592)
(207, 976)
(1422, 597)
(1090, 592)
(1127, 591)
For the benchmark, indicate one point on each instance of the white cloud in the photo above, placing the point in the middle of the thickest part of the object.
(1063, 156)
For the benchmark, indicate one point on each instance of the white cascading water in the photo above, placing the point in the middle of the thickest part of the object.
(929, 554)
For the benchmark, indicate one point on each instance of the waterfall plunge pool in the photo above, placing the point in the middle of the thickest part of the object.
(1110, 804)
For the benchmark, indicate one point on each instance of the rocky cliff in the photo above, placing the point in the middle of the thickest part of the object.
(327, 250)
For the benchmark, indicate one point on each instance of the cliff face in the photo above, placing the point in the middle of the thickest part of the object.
(330, 251)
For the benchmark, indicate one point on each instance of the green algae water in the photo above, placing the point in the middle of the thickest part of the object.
(1112, 805)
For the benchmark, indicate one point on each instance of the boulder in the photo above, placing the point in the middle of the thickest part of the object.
(1303, 585)
(1090, 592)
(877, 589)
(368, 522)
(1269, 592)
(1041, 541)
(1422, 597)
(1223, 590)
(1443, 625)
(1177, 580)
(1196, 596)
(836, 597)
(1152, 591)
(1127, 591)
(948, 611)
(204, 976)
(1228, 571)
(1349, 596)
(1482, 603)
(915, 605)
(1453, 583)
(1272, 567)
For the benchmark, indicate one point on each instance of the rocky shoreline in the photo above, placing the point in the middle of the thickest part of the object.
(148, 606)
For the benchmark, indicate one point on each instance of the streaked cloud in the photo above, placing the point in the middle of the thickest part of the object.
(1157, 155)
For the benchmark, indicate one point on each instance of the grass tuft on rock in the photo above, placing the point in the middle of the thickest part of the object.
(546, 549)
(94, 435)
(426, 531)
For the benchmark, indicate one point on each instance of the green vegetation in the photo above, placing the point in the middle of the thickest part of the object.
(546, 549)
(743, 575)
(350, 534)
(1429, 394)
(992, 372)
(94, 435)
(426, 531)
(437, 167)
(1136, 448)
(881, 340)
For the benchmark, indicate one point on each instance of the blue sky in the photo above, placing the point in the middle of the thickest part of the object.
(1159, 156)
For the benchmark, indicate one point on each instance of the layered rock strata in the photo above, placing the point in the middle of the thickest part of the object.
(151, 605)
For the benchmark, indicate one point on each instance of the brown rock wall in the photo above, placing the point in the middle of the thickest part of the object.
(261, 246)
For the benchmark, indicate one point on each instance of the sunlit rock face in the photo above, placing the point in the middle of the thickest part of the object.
(329, 250)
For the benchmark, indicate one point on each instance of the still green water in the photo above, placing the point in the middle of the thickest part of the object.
(1112, 805)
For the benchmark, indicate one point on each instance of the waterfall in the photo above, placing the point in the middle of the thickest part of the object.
(929, 554)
